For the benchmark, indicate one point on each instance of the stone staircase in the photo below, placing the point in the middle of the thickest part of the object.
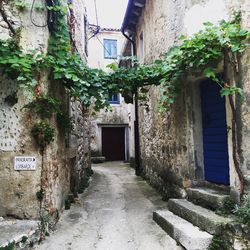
(192, 222)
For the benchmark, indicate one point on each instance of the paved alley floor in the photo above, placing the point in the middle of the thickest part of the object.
(115, 214)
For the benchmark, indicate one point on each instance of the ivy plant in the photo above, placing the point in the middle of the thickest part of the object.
(45, 106)
(43, 133)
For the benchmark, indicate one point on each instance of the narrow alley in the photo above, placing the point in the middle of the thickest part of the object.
(114, 213)
(124, 124)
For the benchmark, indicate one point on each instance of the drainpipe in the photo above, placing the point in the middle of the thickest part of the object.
(138, 170)
(136, 122)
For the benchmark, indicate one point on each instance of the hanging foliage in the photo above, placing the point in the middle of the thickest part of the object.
(199, 54)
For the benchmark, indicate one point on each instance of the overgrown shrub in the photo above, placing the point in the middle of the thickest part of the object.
(242, 212)
(228, 207)
(220, 242)
(10, 246)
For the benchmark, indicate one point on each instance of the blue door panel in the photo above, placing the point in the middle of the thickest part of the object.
(213, 147)
(214, 104)
(216, 155)
(211, 108)
(217, 173)
(216, 131)
(212, 154)
(215, 139)
(215, 178)
(215, 162)
(214, 125)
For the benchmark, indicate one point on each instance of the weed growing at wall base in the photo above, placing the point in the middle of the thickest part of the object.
(242, 213)
(220, 242)
(10, 246)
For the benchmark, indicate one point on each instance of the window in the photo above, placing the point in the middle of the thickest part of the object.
(110, 49)
(114, 99)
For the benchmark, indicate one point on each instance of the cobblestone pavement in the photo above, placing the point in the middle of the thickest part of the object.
(114, 213)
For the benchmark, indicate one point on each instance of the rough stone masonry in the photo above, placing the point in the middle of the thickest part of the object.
(171, 144)
(66, 160)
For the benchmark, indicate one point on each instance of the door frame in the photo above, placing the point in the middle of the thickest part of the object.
(196, 138)
(126, 134)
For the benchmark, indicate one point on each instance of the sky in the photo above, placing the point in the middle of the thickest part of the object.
(110, 12)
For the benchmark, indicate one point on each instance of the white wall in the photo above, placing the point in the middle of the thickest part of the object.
(96, 50)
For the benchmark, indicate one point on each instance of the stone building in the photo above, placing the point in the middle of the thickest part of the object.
(112, 134)
(173, 145)
(187, 152)
(57, 171)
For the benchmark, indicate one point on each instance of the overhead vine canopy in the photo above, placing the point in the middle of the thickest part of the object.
(199, 54)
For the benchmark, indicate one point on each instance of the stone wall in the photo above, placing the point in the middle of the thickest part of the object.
(18, 188)
(80, 137)
(62, 160)
(80, 142)
(243, 108)
(170, 147)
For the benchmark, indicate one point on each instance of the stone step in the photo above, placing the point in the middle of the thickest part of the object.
(207, 197)
(201, 217)
(182, 231)
(98, 159)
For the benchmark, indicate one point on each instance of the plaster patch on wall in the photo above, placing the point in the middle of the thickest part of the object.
(9, 118)
(211, 11)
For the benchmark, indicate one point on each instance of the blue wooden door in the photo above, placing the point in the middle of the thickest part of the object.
(215, 146)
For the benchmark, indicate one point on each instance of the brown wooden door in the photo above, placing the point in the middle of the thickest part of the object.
(113, 143)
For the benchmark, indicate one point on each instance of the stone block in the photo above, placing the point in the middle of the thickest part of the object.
(205, 219)
(207, 197)
(99, 159)
(182, 231)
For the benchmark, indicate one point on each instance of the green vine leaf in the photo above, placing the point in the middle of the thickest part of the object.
(229, 90)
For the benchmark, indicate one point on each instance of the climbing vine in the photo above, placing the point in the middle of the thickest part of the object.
(199, 54)
(67, 66)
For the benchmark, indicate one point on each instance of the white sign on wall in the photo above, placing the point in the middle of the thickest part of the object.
(25, 163)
